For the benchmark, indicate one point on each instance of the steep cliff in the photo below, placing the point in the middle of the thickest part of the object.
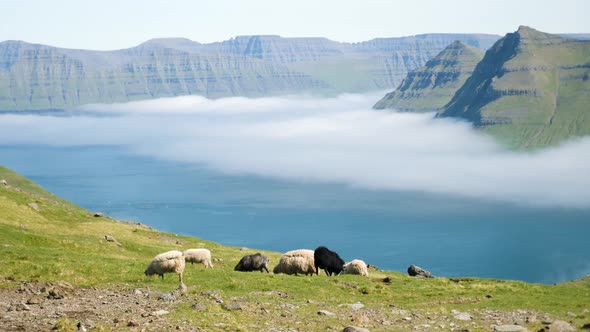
(531, 89)
(35, 77)
(430, 87)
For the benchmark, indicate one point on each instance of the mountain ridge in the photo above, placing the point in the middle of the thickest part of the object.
(530, 90)
(430, 87)
(39, 77)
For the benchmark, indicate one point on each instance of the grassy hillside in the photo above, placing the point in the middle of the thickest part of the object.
(432, 86)
(63, 242)
(530, 90)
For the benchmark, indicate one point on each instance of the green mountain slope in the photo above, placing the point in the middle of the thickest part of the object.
(38, 77)
(60, 242)
(531, 89)
(432, 86)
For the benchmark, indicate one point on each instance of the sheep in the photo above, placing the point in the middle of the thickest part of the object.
(256, 262)
(355, 266)
(296, 261)
(200, 255)
(168, 262)
(327, 260)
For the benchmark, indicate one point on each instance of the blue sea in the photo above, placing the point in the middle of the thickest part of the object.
(448, 235)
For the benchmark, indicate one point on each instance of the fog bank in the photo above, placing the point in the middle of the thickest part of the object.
(329, 140)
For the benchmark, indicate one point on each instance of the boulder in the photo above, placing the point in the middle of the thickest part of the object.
(355, 329)
(232, 306)
(559, 326)
(34, 206)
(416, 271)
(325, 313)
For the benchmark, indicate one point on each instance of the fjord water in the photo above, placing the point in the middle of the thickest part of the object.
(448, 235)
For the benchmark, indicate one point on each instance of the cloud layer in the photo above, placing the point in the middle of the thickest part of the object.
(328, 140)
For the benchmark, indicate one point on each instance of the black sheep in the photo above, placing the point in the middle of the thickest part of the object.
(256, 262)
(327, 260)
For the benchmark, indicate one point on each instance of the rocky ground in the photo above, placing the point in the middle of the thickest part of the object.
(37, 306)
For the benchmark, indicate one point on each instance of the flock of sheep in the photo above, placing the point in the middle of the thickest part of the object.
(302, 261)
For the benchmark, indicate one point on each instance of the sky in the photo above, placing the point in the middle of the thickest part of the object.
(330, 140)
(116, 24)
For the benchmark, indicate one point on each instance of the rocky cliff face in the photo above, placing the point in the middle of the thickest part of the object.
(35, 77)
(531, 89)
(432, 86)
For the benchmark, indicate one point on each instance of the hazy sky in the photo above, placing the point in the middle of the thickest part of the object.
(114, 24)
(324, 140)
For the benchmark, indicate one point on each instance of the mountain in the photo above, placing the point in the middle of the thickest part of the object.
(531, 89)
(430, 87)
(39, 77)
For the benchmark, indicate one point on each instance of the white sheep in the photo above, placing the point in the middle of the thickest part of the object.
(356, 266)
(296, 261)
(168, 262)
(200, 255)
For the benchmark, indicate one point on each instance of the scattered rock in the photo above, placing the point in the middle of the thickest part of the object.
(3, 182)
(355, 329)
(416, 271)
(199, 307)
(109, 238)
(244, 249)
(325, 313)
(98, 214)
(35, 300)
(509, 328)
(34, 206)
(462, 316)
(232, 306)
(585, 311)
(160, 313)
(407, 318)
(132, 324)
(22, 307)
(182, 289)
(559, 326)
(167, 297)
(138, 292)
(571, 314)
(357, 306)
(216, 259)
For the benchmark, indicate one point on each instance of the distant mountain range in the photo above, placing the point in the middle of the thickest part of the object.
(531, 89)
(40, 77)
(432, 86)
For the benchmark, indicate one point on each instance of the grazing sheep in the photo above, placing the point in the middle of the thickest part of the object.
(356, 266)
(168, 262)
(295, 262)
(256, 262)
(327, 260)
(200, 255)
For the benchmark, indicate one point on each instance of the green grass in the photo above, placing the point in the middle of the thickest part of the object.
(65, 242)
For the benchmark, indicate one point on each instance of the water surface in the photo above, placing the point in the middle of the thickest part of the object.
(449, 235)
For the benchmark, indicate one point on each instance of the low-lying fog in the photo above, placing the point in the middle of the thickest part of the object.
(330, 140)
